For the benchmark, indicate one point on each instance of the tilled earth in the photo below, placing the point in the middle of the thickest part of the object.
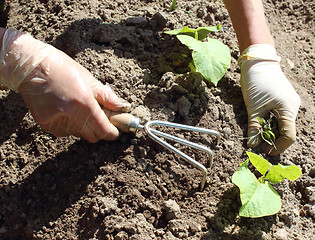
(66, 188)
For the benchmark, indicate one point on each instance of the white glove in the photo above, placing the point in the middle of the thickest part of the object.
(265, 88)
(63, 97)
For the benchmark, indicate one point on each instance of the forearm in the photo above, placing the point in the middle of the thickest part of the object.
(249, 22)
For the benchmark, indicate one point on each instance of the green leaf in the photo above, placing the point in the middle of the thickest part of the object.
(201, 32)
(190, 42)
(279, 172)
(212, 59)
(204, 31)
(185, 30)
(173, 6)
(261, 164)
(264, 202)
(262, 121)
(258, 199)
(246, 181)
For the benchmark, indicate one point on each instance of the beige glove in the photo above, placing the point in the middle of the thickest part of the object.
(63, 97)
(265, 88)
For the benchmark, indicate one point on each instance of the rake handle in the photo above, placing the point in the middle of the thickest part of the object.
(125, 122)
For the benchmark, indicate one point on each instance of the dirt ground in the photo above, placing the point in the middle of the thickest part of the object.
(67, 188)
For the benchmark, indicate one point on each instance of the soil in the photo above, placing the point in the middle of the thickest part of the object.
(133, 188)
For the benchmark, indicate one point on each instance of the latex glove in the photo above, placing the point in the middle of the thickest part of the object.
(63, 97)
(265, 88)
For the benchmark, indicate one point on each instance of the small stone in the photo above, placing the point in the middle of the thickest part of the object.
(159, 20)
(172, 209)
(229, 145)
(310, 193)
(184, 106)
(290, 63)
(136, 21)
(281, 235)
(312, 173)
(3, 230)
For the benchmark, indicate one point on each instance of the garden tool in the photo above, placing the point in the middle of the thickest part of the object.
(126, 122)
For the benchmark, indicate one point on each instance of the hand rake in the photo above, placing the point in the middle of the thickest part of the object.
(129, 123)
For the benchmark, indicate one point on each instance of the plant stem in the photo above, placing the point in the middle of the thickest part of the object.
(173, 5)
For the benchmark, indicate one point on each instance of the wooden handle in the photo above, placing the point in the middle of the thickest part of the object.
(125, 122)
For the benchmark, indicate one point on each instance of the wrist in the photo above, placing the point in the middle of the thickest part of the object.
(258, 52)
(20, 55)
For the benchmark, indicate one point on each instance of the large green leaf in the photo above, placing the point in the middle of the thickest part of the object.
(212, 59)
(279, 172)
(261, 164)
(264, 202)
(258, 199)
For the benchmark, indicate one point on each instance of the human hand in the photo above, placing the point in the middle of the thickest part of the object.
(265, 88)
(63, 97)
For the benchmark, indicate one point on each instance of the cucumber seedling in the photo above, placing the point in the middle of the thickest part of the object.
(257, 196)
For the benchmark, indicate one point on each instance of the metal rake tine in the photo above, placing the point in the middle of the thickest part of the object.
(186, 127)
(187, 143)
(153, 134)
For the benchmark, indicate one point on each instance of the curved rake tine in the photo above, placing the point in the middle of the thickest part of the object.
(153, 134)
(187, 128)
(185, 142)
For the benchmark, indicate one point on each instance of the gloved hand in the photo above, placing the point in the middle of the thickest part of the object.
(265, 88)
(63, 97)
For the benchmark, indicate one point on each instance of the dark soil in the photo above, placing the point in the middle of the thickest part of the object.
(67, 188)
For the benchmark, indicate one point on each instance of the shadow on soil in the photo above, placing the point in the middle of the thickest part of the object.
(53, 187)
(156, 52)
(226, 224)
(12, 113)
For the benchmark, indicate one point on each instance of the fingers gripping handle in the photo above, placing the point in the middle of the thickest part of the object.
(125, 122)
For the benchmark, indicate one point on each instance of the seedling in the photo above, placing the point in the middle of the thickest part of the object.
(173, 6)
(210, 57)
(258, 197)
(266, 132)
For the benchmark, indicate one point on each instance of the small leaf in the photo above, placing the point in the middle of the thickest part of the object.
(204, 31)
(261, 164)
(190, 42)
(185, 30)
(279, 172)
(262, 121)
(192, 67)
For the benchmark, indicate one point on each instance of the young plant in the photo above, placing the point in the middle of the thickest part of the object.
(266, 132)
(173, 6)
(258, 197)
(210, 57)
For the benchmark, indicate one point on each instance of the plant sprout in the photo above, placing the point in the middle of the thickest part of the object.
(266, 132)
(173, 6)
